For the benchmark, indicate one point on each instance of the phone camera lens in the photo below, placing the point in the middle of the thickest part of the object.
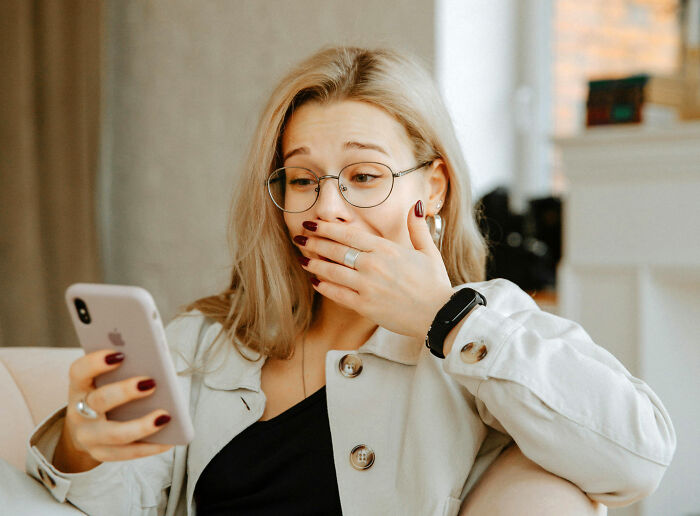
(83, 313)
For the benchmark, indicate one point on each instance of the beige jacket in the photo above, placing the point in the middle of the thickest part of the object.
(433, 425)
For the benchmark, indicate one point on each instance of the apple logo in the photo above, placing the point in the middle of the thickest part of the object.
(115, 338)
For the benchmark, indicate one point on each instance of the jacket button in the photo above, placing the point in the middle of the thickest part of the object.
(473, 352)
(350, 365)
(46, 479)
(361, 457)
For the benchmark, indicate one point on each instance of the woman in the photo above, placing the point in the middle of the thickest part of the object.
(313, 390)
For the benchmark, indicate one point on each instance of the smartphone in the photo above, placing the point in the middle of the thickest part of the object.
(125, 318)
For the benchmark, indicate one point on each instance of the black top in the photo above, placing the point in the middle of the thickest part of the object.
(283, 465)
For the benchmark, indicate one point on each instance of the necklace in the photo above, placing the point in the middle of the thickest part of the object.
(303, 376)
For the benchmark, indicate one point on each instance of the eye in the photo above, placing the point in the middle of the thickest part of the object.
(301, 182)
(366, 176)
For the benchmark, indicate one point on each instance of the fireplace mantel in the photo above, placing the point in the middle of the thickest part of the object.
(630, 273)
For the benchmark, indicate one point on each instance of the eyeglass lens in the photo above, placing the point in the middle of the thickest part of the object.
(362, 184)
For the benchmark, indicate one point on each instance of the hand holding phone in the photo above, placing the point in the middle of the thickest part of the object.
(112, 319)
(101, 439)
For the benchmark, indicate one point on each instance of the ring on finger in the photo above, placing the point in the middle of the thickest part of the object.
(350, 257)
(84, 409)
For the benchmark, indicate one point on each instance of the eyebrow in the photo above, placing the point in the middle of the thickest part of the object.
(346, 145)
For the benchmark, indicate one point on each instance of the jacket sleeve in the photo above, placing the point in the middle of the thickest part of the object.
(569, 404)
(135, 487)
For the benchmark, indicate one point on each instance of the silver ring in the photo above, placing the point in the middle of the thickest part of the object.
(85, 410)
(351, 257)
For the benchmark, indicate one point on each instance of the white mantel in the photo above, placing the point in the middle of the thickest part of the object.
(630, 274)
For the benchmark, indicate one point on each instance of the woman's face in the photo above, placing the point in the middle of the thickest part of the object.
(325, 138)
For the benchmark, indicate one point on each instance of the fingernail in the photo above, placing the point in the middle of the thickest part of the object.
(315, 282)
(419, 209)
(144, 385)
(303, 260)
(114, 358)
(161, 420)
(300, 239)
(311, 226)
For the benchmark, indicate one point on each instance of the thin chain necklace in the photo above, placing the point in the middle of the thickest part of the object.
(303, 376)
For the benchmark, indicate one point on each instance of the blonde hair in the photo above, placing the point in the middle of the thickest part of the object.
(270, 301)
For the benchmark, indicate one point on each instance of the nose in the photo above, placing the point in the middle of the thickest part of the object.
(330, 202)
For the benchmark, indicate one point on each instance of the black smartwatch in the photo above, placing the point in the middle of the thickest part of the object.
(449, 316)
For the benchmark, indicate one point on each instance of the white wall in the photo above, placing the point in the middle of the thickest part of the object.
(475, 67)
(493, 65)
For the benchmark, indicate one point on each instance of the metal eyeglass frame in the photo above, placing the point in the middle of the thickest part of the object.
(318, 183)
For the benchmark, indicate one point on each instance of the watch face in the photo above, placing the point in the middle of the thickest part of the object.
(459, 301)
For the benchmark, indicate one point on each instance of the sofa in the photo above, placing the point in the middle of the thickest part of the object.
(34, 381)
(28, 395)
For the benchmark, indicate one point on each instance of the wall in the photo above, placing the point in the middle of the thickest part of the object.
(476, 68)
(185, 83)
(493, 64)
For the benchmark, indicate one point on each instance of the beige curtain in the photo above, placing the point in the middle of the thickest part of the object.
(49, 139)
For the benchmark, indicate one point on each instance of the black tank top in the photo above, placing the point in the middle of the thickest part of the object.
(280, 466)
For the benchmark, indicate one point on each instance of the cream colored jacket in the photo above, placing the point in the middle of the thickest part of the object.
(434, 425)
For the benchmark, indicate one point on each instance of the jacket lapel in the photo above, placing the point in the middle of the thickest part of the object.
(229, 399)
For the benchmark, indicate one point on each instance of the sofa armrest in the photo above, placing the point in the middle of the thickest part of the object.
(34, 382)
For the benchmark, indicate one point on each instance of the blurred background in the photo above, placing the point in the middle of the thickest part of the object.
(123, 125)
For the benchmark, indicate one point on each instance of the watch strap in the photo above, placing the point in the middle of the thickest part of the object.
(451, 313)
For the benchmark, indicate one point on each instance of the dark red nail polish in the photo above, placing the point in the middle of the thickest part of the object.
(315, 282)
(300, 239)
(114, 358)
(303, 260)
(161, 420)
(419, 208)
(144, 385)
(311, 226)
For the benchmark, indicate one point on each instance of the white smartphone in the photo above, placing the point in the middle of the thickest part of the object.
(126, 319)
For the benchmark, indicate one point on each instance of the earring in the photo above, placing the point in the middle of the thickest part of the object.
(436, 229)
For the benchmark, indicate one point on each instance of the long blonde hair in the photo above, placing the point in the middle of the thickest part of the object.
(270, 301)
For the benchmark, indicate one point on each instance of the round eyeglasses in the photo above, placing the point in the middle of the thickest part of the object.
(364, 185)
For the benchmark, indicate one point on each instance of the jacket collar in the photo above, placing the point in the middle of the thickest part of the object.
(393, 346)
(232, 371)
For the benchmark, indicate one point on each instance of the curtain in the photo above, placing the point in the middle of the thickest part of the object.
(50, 53)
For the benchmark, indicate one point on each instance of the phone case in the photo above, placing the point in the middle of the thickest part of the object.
(125, 318)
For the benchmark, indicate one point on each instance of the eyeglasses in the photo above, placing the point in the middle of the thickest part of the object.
(364, 185)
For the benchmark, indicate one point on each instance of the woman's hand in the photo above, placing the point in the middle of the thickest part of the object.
(398, 288)
(102, 440)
